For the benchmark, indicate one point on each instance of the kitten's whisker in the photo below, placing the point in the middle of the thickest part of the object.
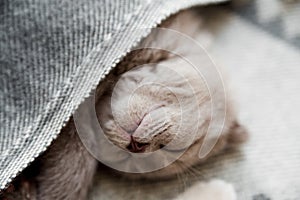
(183, 174)
(180, 178)
(191, 170)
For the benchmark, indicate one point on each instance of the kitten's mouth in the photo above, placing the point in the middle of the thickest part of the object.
(137, 147)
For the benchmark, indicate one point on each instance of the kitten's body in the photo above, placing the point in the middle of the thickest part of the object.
(66, 169)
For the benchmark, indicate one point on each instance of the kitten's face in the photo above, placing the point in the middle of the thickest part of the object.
(160, 106)
(167, 106)
(144, 113)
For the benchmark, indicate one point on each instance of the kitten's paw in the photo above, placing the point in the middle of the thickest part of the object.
(212, 190)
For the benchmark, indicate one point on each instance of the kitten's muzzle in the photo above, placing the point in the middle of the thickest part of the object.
(137, 147)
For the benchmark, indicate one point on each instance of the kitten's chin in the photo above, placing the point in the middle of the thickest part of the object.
(185, 161)
(168, 172)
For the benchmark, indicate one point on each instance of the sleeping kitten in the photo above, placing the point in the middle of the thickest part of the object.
(152, 120)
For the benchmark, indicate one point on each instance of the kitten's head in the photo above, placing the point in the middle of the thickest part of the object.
(167, 106)
(162, 107)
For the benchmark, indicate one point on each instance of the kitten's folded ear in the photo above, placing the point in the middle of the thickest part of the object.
(238, 134)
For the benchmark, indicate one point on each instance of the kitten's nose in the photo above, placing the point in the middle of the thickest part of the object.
(137, 147)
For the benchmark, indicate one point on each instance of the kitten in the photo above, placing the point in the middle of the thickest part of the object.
(151, 122)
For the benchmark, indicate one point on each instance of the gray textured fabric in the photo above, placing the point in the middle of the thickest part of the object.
(45, 73)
